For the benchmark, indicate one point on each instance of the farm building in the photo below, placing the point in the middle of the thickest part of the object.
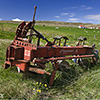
(82, 26)
(98, 28)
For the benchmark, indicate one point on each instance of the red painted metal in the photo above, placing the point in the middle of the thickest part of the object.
(62, 58)
(38, 70)
(22, 52)
(55, 66)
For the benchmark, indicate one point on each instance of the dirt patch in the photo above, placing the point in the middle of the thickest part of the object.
(5, 41)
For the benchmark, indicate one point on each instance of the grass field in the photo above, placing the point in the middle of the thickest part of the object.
(74, 84)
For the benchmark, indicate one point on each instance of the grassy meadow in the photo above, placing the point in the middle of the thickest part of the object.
(74, 84)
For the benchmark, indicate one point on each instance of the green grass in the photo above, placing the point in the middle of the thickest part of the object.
(74, 84)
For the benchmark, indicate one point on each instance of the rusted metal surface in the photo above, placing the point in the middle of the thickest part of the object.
(38, 70)
(21, 52)
(59, 38)
(62, 58)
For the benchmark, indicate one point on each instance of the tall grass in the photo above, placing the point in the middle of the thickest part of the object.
(73, 84)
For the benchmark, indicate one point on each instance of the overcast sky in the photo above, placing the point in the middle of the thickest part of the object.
(86, 11)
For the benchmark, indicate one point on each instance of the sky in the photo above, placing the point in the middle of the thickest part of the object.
(85, 11)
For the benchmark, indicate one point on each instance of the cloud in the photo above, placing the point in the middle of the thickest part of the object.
(91, 21)
(64, 14)
(68, 14)
(71, 8)
(57, 16)
(0, 19)
(83, 6)
(73, 19)
(17, 19)
(86, 7)
(72, 14)
(93, 17)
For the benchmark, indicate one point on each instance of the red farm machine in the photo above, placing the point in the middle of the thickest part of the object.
(26, 55)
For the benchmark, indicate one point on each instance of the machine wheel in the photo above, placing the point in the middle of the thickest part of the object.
(93, 61)
(63, 66)
(84, 63)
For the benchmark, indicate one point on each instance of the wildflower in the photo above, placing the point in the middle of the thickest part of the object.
(40, 83)
(33, 88)
(36, 83)
(39, 91)
(45, 85)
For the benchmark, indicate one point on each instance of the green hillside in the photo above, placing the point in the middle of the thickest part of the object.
(74, 84)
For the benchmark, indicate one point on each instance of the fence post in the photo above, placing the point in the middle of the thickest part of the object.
(74, 36)
(2, 27)
(52, 34)
(94, 36)
(10, 31)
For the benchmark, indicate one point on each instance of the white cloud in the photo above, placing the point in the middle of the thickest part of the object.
(57, 16)
(0, 19)
(83, 6)
(93, 17)
(64, 14)
(74, 7)
(68, 14)
(91, 21)
(73, 19)
(72, 14)
(88, 8)
(70, 8)
(17, 19)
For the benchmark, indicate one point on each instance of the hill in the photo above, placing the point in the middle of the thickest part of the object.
(57, 23)
(65, 24)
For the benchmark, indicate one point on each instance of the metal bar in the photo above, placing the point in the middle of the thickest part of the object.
(33, 23)
(55, 65)
(62, 58)
(38, 42)
(34, 12)
(38, 70)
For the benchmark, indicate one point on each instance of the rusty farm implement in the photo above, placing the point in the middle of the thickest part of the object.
(26, 55)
